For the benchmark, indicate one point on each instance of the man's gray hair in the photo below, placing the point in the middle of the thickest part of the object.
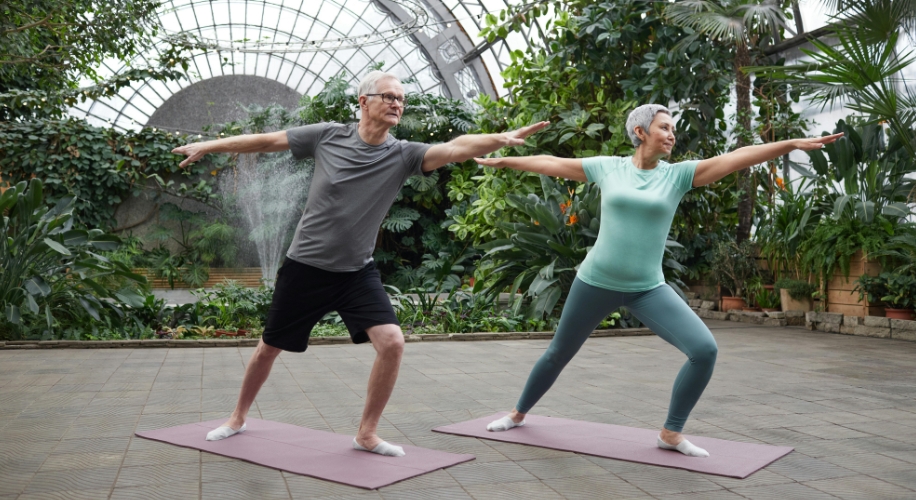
(642, 117)
(369, 83)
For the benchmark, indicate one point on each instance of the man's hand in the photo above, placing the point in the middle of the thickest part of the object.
(816, 143)
(194, 152)
(517, 137)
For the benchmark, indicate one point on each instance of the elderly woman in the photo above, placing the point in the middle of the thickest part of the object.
(639, 196)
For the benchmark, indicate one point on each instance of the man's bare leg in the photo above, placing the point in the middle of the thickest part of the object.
(388, 342)
(256, 374)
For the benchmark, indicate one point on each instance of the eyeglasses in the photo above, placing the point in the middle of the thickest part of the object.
(390, 98)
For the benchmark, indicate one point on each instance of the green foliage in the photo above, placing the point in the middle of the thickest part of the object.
(202, 241)
(459, 312)
(50, 270)
(734, 266)
(867, 175)
(788, 223)
(48, 47)
(833, 243)
(901, 290)
(872, 288)
(100, 167)
(601, 59)
(767, 299)
(798, 289)
(231, 306)
(862, 68)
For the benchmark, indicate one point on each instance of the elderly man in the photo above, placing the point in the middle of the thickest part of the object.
(359, 169)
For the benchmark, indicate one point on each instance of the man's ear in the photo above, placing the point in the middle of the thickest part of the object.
(362, 101)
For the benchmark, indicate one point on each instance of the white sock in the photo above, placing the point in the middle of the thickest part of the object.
(224, 431)
(503, 424)
(685, 447)
(384, 448)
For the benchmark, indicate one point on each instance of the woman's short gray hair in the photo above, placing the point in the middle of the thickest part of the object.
(642, 117)
(369, 83)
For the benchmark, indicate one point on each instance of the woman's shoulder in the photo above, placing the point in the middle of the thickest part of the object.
(605, 161)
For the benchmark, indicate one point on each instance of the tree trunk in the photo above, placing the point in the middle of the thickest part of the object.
(796, 13)
(743, 91)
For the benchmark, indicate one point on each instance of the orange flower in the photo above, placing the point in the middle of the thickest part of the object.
(536, 223)
(565, 206)
(572, 219)
(781, 183)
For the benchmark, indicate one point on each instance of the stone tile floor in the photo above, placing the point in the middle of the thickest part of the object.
(847, 404)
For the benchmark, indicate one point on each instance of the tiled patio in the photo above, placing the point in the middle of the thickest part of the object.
(847, 404)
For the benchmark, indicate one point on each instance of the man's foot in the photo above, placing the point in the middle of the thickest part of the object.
(685, 447)
(224, 431)
(506, 423)
(383, 448)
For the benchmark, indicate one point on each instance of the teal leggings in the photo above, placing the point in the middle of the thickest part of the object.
(662, 310)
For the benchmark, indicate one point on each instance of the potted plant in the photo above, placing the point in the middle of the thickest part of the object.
(733, 266)
(900, 295)
(795, 295)
(767, 300)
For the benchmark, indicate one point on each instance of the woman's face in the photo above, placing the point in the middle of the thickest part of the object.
(660, 139)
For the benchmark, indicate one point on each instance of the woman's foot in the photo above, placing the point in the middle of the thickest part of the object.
(670, 440)
(513, 419)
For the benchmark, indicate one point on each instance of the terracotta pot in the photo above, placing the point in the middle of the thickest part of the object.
(729, 303)
(898, 313)
(787, 303)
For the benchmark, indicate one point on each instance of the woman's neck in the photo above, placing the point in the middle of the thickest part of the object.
(643, 159)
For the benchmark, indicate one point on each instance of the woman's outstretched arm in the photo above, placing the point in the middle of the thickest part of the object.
(567, 168)
(713, 169)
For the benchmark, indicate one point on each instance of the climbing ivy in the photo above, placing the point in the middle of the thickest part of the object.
(101, 167)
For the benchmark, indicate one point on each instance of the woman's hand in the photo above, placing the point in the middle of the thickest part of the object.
(492, 162)
(815, 143)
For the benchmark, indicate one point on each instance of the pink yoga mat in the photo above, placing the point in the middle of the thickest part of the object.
(727, 458)
(319, 454)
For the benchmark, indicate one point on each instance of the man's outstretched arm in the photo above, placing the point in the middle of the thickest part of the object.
(470, 146)
(252, 143)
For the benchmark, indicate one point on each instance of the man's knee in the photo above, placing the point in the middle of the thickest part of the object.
(266, 352)
(387, 339)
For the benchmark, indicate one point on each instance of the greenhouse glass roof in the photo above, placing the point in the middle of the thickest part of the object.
(430, 44)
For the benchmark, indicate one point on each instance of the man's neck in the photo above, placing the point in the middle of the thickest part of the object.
(372, 133)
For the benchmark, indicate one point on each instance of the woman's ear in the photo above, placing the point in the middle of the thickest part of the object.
(640, 133)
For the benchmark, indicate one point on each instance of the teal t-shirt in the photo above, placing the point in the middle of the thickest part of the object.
(637, 207)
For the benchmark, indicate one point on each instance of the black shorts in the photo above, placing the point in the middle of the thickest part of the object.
(304, 294)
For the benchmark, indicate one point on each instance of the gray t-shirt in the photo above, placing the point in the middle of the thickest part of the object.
(353, 187)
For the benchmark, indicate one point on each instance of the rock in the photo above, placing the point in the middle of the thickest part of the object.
(811, 317)
(774, 322)
(877, 321)
(852, 320)
(904, 335)
(847, 329)
(903, 324)
(796, 321)
(872, 331)
(694, 302)
(830, 327)
(719, 315)
(831, 318)
(708, 304)
(753, 318)
(776, 315)
(690, 295)
(795, 314)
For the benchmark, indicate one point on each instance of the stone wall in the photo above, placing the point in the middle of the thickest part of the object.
(867, 326)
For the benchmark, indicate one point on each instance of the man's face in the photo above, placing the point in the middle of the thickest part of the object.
(376, 109)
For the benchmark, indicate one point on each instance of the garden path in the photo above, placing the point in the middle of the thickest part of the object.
(847, 404)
